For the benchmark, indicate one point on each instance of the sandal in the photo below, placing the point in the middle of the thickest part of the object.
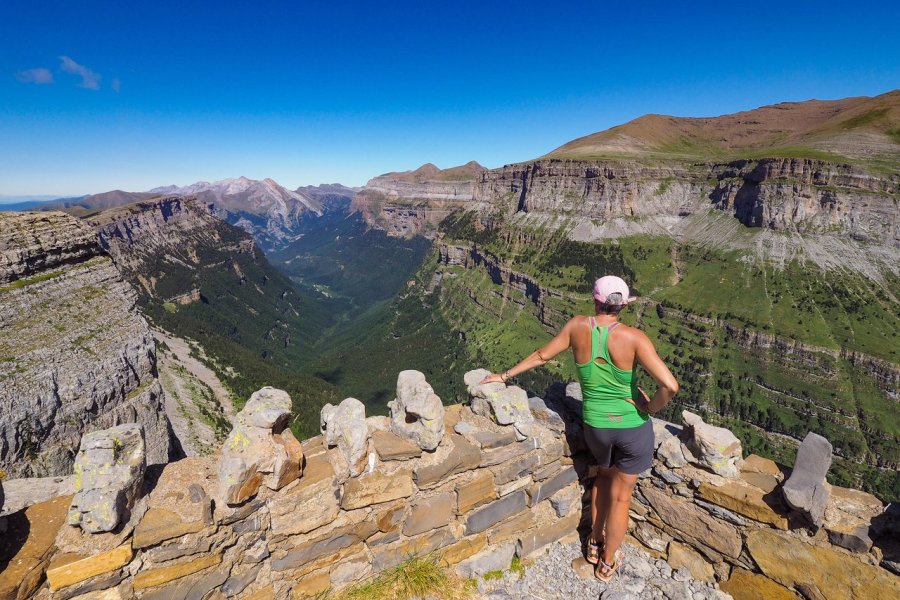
(593, 551)
(609, 568)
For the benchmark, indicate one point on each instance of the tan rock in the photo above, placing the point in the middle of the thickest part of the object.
(304, 506)
(535, 539)
(745, 585)
(743, 499)
(757, 464)
(376, 487)
(833, 574)
(511, 528)
(463, 456)
(685, 556)
(583, 568)
(390, 518)
(694, 522)
(429, 513)
(391, 446)
(27, 543)
(159, 525)
(764, 481)
(475, 492)
(154, 577)
(79, 570)
(452, 416)
(114, 593)
(317, 467)
(312, 585)
(389, 555)
(848, 518)
(264, 593)
(463, 549)
(630, 539)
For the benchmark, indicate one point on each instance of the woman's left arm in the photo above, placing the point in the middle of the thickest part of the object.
(537, 358)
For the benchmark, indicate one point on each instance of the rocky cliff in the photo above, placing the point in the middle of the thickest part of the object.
(176, 231)
(414, 202)
(75, 354)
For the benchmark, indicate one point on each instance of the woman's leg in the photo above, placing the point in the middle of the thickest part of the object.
(621, 486)
(600, 503)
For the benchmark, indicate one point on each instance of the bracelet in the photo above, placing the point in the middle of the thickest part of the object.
(504, 377)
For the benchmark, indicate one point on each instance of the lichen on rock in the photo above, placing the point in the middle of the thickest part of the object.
(417, 413)
(109, 473)
(260, 450)
(345, 426)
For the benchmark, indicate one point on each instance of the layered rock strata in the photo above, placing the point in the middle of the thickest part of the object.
(75, 354)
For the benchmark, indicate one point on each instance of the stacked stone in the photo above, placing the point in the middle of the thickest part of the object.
(458, 481)
(735, 520)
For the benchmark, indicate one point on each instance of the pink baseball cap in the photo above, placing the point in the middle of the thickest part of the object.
(612, 290)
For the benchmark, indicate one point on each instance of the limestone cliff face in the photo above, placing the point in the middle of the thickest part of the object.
(793, 194)
(75, 355)
(804, 195)
(521, 287)
(413, 203)
(175, 230)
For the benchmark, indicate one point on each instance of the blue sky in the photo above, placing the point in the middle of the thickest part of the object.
(131, 95)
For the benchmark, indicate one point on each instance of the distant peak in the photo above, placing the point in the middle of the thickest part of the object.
(427, 169)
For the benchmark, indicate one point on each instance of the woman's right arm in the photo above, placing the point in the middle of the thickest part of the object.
(653, 364)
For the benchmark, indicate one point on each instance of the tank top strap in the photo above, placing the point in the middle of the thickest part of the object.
(595, 339)
(604, 342)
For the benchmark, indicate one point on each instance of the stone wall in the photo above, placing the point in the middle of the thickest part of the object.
(477, 484)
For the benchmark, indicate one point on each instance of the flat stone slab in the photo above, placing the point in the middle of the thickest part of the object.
(159, 525)
(833, 574)
(375, 488)
(26, 545)
(79, 570)
(464, 456)
(496, 511)
(430, 513)
(479, 490)
(694, 522)
(745, 500)
(390, 446)
(155, 577)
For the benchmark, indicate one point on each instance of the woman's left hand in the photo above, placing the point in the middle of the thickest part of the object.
(492, 378)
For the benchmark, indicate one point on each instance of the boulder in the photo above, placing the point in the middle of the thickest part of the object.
(505, 405)
(417, 413)
(806, 490)
(345, 426)
(829, 573)
(670, 452)
(109, 473)
(849, 516)
(713, 447)
(260, 450)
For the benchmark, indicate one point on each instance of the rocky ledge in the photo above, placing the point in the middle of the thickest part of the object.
(75, 355)
(476, 485)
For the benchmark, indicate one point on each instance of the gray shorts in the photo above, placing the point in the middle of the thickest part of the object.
(629, 450)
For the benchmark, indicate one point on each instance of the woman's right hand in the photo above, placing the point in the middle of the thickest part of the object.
(643, 403)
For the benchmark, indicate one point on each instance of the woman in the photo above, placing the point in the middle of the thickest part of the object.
(616, 412)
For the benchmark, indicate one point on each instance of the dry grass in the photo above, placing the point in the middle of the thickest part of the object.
(419, 576)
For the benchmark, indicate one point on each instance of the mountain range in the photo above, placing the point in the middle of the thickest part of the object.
(764, 247)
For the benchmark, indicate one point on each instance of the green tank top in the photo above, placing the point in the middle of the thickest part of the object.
(606, 388)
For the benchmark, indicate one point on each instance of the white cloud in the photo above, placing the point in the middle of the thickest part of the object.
(116, 85)
(38, 76)
(89, 79)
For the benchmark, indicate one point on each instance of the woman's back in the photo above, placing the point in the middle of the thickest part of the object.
(605, 355)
